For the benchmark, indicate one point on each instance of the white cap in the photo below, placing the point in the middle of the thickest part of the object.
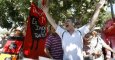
(97, 28)
(12, 34)
(19, 28)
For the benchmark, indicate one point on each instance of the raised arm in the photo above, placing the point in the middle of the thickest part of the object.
(49, 18)
(96, 13)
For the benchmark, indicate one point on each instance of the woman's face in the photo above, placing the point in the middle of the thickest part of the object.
(94, 33)
(87, 39)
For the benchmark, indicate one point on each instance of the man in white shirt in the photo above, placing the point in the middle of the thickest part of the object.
(72, 41)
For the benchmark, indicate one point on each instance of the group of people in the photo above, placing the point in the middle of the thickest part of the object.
(16, 34)
(93, 46)
(70, 43)
(67, 43)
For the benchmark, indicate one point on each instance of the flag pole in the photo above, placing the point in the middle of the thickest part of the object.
(111, 5)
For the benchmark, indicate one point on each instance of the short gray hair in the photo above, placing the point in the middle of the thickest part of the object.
(71, 19)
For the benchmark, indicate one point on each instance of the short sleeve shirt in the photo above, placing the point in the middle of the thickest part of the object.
(54, 45)
(73, 44)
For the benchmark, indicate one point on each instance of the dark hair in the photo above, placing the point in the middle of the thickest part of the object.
(88, 35)
(71, 19)
(50, 27)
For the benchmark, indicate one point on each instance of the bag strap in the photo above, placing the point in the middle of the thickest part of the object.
(79, 32)
(97, 42)
(63, 34)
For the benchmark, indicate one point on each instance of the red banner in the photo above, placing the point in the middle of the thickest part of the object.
(35, 34)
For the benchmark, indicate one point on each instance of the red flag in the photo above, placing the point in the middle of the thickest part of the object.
(35, 34)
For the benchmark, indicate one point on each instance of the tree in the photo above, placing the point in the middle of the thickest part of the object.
(16, 11)
(80, 10)
(13, 12)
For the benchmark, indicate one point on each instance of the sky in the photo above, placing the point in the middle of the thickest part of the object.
(109, 9)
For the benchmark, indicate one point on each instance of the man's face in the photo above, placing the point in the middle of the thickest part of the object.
(68, 24)
(52, 29)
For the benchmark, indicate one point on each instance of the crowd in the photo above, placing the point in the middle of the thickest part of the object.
(15, 34)
(77, 43)
(93, 46)
(68, 42)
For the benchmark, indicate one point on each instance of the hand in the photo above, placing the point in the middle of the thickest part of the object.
(113, 24)
(113, 52)
(97, 54)
(45, 7)
(31, 1)
(51, 58)
(100, 4)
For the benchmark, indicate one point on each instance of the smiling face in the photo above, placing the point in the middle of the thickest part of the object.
(68, 24)
(87, 38)
(94, 33)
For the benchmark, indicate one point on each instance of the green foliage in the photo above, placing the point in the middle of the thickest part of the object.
(81, 10)
(13, 12)
(16, 11)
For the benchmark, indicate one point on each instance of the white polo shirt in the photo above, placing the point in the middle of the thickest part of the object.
(73, 44)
